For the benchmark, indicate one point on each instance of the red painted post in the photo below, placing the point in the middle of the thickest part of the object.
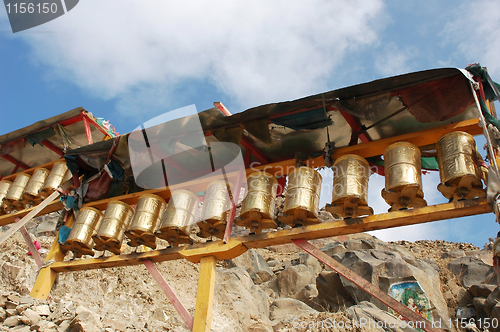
(88, 132)
(365, 285)
(169, 292)
(31, 246)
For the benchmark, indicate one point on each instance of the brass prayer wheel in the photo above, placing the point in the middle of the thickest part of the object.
(257, 210)
(403, 176)
(57, 176)
(302, 197)
(4, 189)
(15, 193)
(116, 220)
(458, 166)
(350, 187)
(86, 225)
(31, 192)
(179, 218)
(148, 214)
(216, 208)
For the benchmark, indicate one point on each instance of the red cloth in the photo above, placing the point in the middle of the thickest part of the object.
(37, 246)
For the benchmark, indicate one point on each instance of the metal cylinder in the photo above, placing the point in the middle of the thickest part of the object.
(262, 188)
(58, 174)
(350, 178)
(402, 166)
(217, 202)
(457, 157)
(4, 189)
(86, 225)
(36, 183)
(304, 188)
(115, 222)
(147, 217)
(16, 190)
(180, 213)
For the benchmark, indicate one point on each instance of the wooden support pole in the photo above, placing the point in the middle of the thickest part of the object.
(234, 203)
(205, 295)
(47, 276)
(169, 292)
(34, 252)
(366, 286)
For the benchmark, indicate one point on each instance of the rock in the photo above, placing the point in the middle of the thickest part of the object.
(357, 245)
(481, 290)
(333, 248)
(247, 301)
(388, 271)
(30, 317)
(368, 315)
(311, 262)
(12, 321)
(255, 265)
(3, 300)
(16, 298)
(3, 314)
(20, 308)
(28, 300)
(273, 262)
(20, 328)
(331, 291)
(260, 327)
(432, 263)
(117, 326)
(479, 304)
(47, 226)
(43, 310)
(288, 309)
(45, 326)
(292, 280)
(495, 317)
(10, 305)
(9, 271)
(492, 300)
(11, 312)
(469, 270)
(64, 325)
(453, 254)
(86, 321)
(325, 216)
(81, 309)
(307, 294)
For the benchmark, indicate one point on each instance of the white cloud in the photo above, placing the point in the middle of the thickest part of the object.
(254, 52)
(394, 60)
(475, 29)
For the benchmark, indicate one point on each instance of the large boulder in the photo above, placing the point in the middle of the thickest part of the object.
(331, 292)
(287, 309)
(254, 264)
(293, 279)
(470, 270)
(370, 317)
(410, 280)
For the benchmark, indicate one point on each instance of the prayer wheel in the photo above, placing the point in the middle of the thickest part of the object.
(4, 189)
(302, 197)
(458, 166)
(86, 225)
(31, 195)
(257, 210)
(13, 198)
(403, 176)
(216, 208)
(57, 176)
(148, 214)
(116, 220)
(350, 187)
(179, 218)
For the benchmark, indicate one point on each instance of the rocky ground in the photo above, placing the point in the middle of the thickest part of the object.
(273, 289)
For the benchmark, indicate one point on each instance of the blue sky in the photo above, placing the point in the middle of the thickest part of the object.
(128, 61)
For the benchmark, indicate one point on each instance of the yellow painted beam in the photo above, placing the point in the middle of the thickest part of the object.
(47, 276)
(205, 295)
(238, 245)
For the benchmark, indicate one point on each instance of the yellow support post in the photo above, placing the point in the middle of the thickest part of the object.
(205, 295)
(47, 276)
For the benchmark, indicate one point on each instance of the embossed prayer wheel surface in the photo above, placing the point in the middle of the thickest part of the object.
(15, 192)
(148, 214)
(179, 217)
(58, 174)
(86, 225)
(36, 183)
(4, 189)
(304, 188)
(402, 166)
(116, 221)
(350, 178)
(457, 157)
(262, 188)
(217, 203)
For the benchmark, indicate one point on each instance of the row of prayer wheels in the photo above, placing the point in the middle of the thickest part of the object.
(28, 189)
